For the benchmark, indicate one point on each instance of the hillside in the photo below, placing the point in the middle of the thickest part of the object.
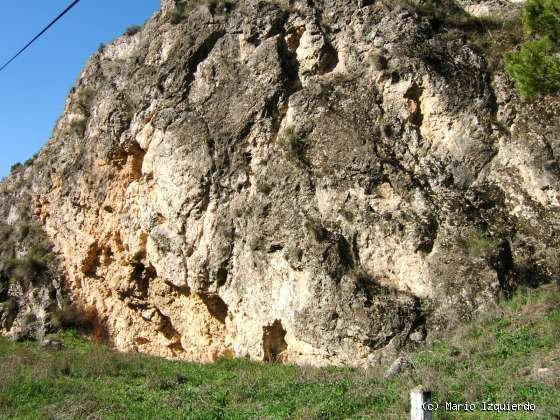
(512, 355)
(316, 183)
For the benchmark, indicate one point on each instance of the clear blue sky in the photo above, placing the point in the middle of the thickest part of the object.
(34, 87)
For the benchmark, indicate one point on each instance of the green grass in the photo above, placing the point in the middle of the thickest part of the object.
(491, 359)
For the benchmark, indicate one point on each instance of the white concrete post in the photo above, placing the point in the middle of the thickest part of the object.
(420, 404)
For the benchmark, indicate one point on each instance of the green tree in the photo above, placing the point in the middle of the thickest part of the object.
(535, 68)
(542, 17)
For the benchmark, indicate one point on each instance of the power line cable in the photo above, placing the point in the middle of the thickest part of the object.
(40, 33)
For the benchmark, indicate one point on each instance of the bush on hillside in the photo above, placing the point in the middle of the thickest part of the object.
(132, 30)
(15, 167)
(31, 268)
(543, 17)
(535, 68)
(30, 161)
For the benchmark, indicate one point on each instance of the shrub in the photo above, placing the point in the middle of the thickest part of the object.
(543, 17)
(28, 268)
(178, 14)
(132, 30)
(30, 161)
(16, 166)
(33, 266)
(535, 68)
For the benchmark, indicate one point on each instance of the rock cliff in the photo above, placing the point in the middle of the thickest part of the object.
(317, 182)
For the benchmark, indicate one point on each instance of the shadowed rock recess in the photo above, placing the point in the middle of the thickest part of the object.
(319, 182)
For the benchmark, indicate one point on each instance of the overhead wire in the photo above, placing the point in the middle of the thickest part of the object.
(74, 3)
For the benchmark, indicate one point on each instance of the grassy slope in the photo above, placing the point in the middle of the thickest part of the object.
(491, 359)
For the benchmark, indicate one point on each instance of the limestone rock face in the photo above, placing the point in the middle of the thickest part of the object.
(312, 184)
